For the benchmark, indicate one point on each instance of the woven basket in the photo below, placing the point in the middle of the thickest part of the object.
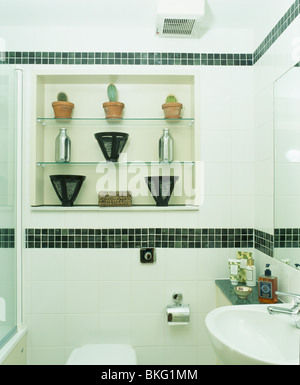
(114, 199)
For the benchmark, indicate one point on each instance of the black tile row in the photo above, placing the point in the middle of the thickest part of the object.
(287, 238)
(264, 242)
(154, 237)
(127, 58)
(139, 237)
(7, 238)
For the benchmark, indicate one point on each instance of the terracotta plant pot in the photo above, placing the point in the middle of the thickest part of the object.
(113, 110)
(62, 110)
(172, 110)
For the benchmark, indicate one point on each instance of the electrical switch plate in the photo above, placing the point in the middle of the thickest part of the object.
(147, 255)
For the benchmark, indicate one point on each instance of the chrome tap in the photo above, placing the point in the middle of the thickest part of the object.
(294, 311)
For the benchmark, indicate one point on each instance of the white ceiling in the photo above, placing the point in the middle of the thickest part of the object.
(220, 14)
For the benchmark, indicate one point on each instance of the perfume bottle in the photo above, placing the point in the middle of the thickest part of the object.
(62, 146)
(166, 147)
(267, 287)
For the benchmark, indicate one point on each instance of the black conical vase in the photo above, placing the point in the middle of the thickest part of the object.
(111, 144)
(161, 188)
(67, 187)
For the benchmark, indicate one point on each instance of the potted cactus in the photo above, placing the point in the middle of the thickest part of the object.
(113, 109)
(62, 108)
(172, 108)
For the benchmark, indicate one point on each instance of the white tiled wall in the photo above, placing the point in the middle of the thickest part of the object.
(43, 38)
(75, 297)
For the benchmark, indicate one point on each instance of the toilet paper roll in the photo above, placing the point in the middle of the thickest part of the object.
(178, 315)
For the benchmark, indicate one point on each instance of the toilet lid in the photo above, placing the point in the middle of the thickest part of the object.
(103, 354)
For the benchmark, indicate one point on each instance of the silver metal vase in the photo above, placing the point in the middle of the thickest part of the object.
(166, 147)
(62, 146)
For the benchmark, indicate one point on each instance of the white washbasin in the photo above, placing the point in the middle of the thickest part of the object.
(249, 335)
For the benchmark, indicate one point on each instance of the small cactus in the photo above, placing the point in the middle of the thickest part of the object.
(112, 93)
(62, 97)
(171, 99)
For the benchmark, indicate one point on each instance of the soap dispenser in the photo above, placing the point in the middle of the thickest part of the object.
(267, 286)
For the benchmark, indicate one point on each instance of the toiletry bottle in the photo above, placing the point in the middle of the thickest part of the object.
(62, 146)
(251, 273)
(267, 285)
(242, 270)
(234, 265)
(166, 147)
(244, 257)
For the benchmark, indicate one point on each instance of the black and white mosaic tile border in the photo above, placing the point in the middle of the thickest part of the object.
(287, 238)
(264, 242)
(150, 237)
(7, 238)
(128, 58)
(139, 237)
(153, 237)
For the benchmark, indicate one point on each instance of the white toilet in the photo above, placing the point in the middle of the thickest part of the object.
(103, 354)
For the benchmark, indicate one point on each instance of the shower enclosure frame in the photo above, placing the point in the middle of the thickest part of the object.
(17, 331)
(19, 238)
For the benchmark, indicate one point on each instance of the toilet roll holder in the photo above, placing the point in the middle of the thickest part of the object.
(177, 313)
(177, 298)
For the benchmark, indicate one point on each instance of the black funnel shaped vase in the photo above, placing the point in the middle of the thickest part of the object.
(67, 187)
(161, 188)
(111, 144)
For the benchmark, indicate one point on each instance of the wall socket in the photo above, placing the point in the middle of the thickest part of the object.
(147, 255)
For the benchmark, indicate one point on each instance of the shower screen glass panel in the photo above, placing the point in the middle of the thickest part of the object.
(8, 214)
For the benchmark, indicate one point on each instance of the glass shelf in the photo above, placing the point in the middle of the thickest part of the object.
(124, 121)
(104, 163)
(105, 209)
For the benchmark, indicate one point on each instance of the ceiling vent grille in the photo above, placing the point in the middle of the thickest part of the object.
(177, 18)
(178, 26)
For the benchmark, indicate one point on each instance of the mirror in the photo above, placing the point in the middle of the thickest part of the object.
(287, 167)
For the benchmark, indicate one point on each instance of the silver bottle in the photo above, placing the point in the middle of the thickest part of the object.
(166, 147)
(62, 146)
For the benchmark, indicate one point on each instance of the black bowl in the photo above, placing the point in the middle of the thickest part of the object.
(161, 188)
(67, 187)
(111, 144)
